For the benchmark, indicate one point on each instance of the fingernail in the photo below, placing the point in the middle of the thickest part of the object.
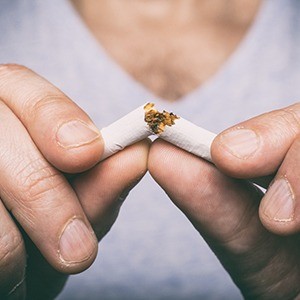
(278, 203)
(240, 142)
(76, 133)
(77, 243)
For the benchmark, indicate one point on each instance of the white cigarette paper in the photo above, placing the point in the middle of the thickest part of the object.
(146, 120)
(189, 137)
(124, 132)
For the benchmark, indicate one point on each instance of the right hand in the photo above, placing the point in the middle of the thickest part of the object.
(47, 223)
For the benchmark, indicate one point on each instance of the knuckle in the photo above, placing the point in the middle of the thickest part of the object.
(293, 116)
(8, 68)
(289, 116)
(36, 179)
(42, 106)
(9, 72)
(37, 99)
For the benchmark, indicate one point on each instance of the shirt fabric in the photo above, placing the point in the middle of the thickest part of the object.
(152, 251)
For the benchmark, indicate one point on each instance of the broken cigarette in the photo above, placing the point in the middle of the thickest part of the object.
(125, 131)
(146, 120)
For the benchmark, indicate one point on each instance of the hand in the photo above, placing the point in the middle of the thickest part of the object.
(255, 236)
(47, 220)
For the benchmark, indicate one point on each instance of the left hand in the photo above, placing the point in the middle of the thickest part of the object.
(48, 223)
(101, 191)
(255, 236)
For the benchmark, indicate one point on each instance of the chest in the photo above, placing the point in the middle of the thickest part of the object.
(172, 64)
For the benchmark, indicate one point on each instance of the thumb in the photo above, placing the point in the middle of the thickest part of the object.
(256, 147)
(225, 212)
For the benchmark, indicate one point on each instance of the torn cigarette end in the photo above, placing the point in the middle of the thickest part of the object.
(157, 121)
(145, 121)
(178, 131)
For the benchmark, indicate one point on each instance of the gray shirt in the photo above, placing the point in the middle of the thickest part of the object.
(153, 252)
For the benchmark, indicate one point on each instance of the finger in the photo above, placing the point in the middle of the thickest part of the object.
(42, 280)
(280, 207)
(12, 258)
(62, 131)
(42, 201)
(225, 212)
(101, 192)
(257, 147)
(103, 189)
(191, 184)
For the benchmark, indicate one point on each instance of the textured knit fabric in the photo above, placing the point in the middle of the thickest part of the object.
(153, 252)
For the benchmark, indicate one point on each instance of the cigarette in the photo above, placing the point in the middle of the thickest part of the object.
(124, 132)
(145, 121)
(180, 132)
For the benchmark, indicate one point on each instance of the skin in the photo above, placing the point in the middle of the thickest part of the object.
(167, 37)
(42, 161)
(39, 199)
(259, 253)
